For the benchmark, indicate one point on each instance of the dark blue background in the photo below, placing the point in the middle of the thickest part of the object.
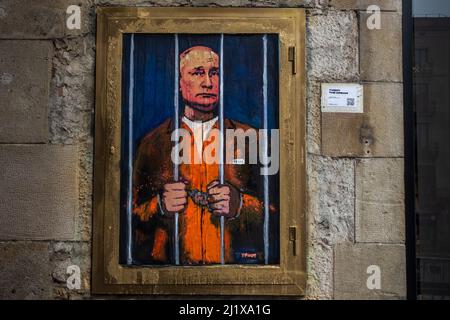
(154, 89)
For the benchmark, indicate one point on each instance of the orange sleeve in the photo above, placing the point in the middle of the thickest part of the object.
(253, 205)
(146, 210)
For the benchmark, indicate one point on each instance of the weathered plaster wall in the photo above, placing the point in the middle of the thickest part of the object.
(355, 162)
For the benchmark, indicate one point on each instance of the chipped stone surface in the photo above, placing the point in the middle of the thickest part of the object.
(313, 118)
(332, 46)
(64, 255)
(330, 219)
(72, 90)
(72, 114)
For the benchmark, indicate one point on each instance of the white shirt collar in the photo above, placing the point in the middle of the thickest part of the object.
(200, 130)
(205, 126)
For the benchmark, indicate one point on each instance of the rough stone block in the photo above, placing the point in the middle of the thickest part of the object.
(331, 193)
(332, 46)
(385, 5)
(25, 270)
(313, 118)
(380, 210)
(43, 19)
(378, 132)
(381, 49)
(39, 192)
(330, 218)
(63, 255)
(24, 90)
(350, 271)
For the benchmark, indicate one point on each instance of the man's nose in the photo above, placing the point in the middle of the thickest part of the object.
(207, 83)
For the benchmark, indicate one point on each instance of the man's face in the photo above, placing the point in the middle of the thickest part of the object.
(199, 78)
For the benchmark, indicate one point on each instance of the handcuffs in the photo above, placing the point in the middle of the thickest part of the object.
(199, 198)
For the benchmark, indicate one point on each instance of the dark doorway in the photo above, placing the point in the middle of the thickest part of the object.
(431, 105)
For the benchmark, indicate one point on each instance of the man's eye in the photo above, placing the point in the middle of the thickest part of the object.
(214, 73)
(198, 73)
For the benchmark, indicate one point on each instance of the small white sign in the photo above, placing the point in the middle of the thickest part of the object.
(342, 97)
(238, 161)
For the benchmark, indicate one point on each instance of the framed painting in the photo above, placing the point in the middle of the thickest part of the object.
(199, 151)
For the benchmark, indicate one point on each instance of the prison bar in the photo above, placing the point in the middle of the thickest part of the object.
(130, 153)
(265, 169)
(221, 149)
(175, 166)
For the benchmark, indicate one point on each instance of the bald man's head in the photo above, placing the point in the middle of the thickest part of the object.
(199, 78)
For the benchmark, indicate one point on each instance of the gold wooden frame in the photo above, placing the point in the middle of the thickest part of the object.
(289, 277)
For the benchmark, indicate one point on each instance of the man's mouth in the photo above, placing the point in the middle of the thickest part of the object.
(206, 95)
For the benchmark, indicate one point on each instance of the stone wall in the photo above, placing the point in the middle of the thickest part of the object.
(355, 161)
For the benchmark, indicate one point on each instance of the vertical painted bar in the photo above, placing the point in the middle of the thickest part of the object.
(221, 151)
(265, 175)
(130, 153)
(175, 166)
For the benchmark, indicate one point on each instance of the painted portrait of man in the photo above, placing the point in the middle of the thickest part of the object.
(201, 211)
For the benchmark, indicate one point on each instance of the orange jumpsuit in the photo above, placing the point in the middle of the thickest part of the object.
(199, 229)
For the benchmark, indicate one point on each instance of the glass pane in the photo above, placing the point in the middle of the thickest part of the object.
(432, 111)
(180, 203)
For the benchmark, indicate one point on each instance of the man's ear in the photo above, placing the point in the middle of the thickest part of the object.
(179, 83)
